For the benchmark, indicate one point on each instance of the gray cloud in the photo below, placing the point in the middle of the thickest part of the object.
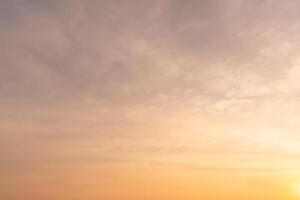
(114, 50)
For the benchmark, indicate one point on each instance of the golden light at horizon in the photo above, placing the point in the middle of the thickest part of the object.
(297, 189)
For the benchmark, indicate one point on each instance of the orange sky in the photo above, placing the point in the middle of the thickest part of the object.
(151, 100)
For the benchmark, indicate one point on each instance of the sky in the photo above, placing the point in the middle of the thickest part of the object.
(152, 100)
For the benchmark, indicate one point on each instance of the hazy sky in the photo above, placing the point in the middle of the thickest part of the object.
(149, 99)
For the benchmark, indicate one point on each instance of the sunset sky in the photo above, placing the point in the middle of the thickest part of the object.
(149, 99)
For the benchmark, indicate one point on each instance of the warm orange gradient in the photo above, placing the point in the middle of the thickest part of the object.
(149, 100)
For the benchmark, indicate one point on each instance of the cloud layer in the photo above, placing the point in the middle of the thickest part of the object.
(120, 90)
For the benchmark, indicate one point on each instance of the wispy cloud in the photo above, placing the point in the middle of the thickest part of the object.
(164, 84)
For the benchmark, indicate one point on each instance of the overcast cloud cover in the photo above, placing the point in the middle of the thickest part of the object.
(103, 88)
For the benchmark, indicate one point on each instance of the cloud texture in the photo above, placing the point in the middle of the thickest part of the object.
(141, 96)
